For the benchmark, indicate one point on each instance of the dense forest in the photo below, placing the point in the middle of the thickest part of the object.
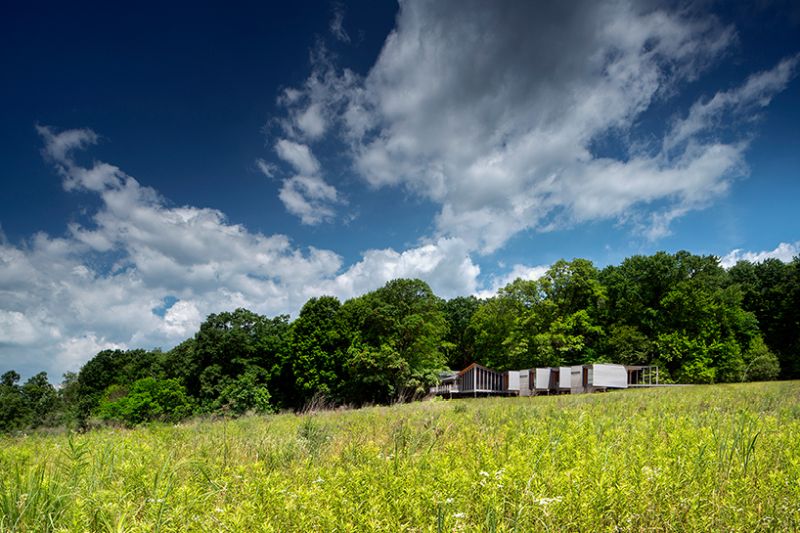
(697, 321)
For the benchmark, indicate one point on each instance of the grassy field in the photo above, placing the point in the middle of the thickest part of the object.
(707, 458)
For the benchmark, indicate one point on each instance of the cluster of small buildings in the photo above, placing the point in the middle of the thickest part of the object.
(477, 380)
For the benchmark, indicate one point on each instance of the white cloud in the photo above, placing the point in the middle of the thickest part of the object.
(493, 111)
(309, 198)
(518, 271)
(16, 329)
(306, 195)
(182, 319)
(58, 146)
(756, 92)
(73, 350)
(100, 286)
(445, 264)
(785, 252)
(298, 155)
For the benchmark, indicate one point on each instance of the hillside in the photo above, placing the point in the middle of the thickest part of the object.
(721, 457)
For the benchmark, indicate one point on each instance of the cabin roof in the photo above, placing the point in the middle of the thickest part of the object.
(475, 365)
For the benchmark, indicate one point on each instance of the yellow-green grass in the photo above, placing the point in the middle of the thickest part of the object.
(705, 458)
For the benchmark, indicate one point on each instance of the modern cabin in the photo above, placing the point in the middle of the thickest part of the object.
(597, 377)
(478, 380)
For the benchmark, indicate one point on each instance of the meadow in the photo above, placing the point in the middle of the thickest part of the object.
(702, 458)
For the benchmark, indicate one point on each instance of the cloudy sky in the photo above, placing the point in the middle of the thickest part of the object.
(160, 163)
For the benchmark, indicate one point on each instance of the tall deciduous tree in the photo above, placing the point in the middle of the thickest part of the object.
(318, 350)
(230, 344)
(396, 346)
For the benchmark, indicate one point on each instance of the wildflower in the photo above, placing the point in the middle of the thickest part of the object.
(449, 500)
(459, 515)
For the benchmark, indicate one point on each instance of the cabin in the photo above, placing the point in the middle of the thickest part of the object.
(478, 380)
(642, 375)
(597, 377)
(448, 384)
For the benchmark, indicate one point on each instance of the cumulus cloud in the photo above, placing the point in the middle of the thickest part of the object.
(518, 271)
(494, 110)
(16, 328)
(785, 252)
(309, 198)
(104, 284)
(445, 264)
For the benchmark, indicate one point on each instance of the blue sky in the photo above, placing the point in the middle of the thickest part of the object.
(167, 162)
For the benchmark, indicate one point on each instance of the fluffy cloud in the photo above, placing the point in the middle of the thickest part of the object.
(297, 155)
(309, 198)
(495, 110)
(306, 194)
(518, 271)
(784, 251)
(105, 284)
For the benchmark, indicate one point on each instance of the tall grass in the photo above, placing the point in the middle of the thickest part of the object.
(701, 458)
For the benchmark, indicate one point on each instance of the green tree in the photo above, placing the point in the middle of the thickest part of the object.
(15, 412)
(557, 318)
(460, 347)
(146, 400)
(248, 392)
(319, 350)
(679, 311)
(113, 367)
(41, 399)
(396, 341)
(490, 329)
(228, 344)
(771, 291)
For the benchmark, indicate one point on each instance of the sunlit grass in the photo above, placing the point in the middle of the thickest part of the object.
(701, 458)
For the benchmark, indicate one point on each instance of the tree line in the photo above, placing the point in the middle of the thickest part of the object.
(697, 321)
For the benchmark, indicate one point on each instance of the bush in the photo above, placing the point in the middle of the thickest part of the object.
(762, 364)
